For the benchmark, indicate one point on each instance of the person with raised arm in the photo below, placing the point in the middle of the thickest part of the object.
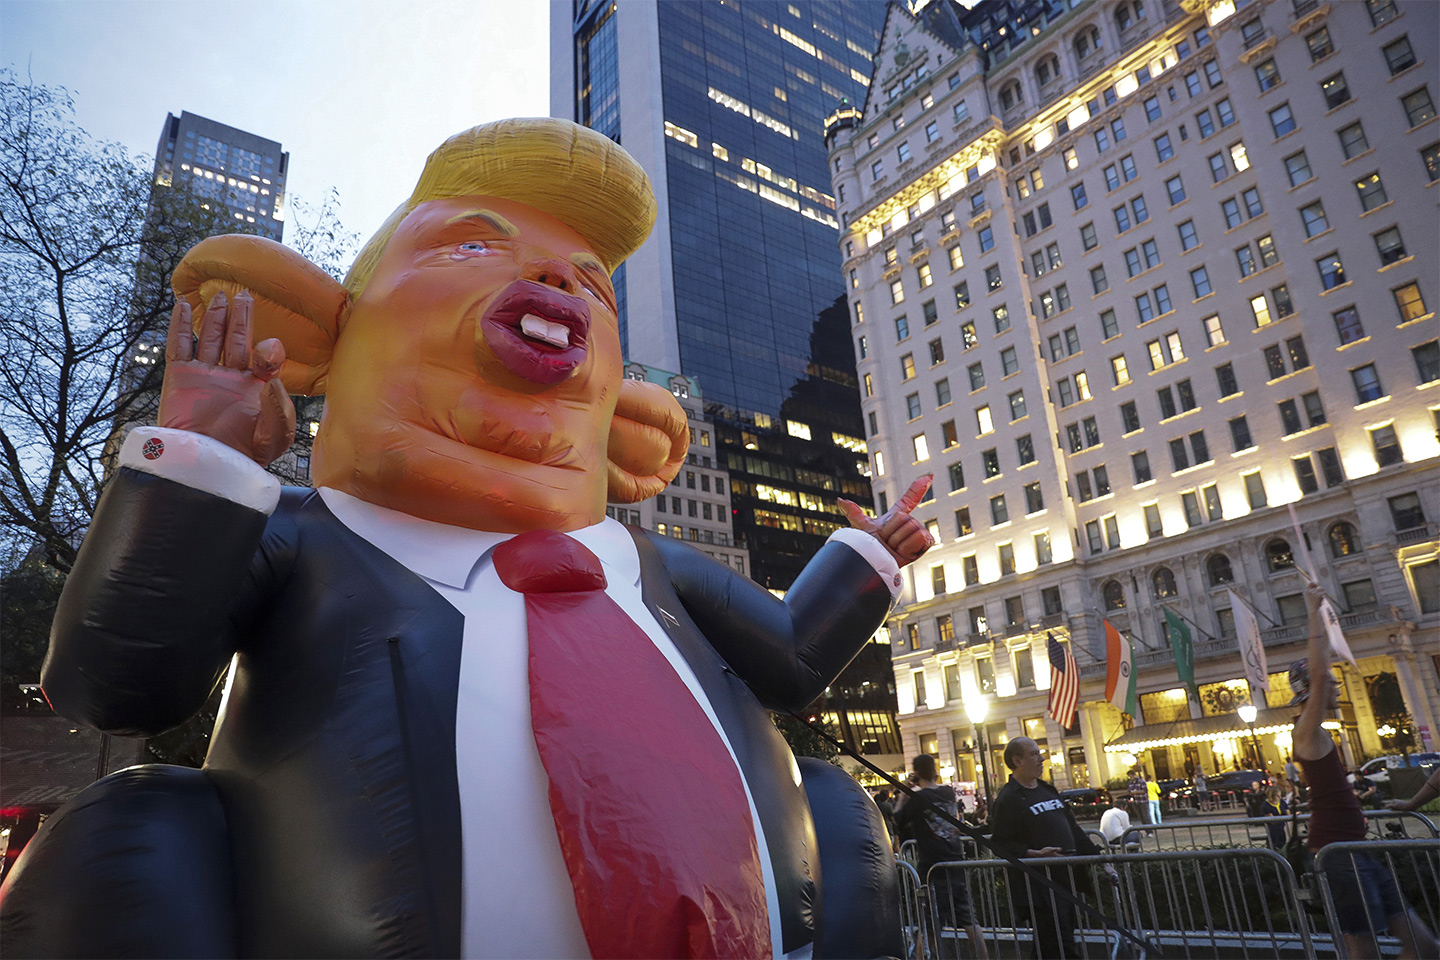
(1367, 899)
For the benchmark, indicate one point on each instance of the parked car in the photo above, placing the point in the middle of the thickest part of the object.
(1218, 784)
(1086, 802)
(1378, 770)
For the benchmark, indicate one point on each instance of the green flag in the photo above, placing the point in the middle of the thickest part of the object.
(1184, 649)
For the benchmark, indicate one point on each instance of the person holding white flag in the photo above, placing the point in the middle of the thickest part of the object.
(1329, 617)
(1368, 903)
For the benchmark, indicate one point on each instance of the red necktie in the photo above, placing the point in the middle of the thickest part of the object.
(652, 816)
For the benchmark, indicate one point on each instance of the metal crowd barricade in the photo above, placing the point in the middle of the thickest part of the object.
(1341, 872)
(914, 911)
(1254, 832)
(1239, 903)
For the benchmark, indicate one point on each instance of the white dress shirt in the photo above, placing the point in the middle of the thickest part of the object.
(518, 898)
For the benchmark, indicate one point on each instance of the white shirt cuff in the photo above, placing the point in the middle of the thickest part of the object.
(202, 463)
(874, 553)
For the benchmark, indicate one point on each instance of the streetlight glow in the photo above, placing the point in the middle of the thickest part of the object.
(976, 710)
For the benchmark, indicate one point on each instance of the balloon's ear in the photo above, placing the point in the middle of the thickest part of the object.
(649, 438)
(295, 301)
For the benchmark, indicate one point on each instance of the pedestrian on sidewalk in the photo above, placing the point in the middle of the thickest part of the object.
(1152, 797)
(938, 841)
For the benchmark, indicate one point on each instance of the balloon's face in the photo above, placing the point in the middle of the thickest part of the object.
(476, 377)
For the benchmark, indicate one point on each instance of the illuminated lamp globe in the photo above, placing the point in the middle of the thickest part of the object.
(1247, 712)
(976, 710)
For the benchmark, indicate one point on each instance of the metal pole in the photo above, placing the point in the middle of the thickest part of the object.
(984, 764)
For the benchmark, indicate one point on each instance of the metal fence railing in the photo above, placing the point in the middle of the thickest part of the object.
(1190, 889)
(914, 911)
(1363, 886)
(1262, 831)
(1240, 903)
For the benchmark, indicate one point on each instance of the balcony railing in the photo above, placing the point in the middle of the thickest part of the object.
(1426, 531)
(1365, 618)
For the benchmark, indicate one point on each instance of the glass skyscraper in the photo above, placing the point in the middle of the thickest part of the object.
(740, 286)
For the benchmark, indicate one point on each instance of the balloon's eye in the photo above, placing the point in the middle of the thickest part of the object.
(472, 249)
(588, 289)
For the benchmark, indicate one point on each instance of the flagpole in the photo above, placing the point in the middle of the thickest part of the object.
(1166, 606)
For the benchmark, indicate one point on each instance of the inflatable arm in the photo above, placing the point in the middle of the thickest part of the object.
(788, 650)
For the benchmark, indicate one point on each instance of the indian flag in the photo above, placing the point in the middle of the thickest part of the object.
(1119, 671)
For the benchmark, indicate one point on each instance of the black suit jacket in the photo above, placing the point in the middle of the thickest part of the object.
(334, 759)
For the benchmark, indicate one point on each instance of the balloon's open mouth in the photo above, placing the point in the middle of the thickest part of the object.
(538, 332)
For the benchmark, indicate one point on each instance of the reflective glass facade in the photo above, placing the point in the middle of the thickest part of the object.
(755, 286)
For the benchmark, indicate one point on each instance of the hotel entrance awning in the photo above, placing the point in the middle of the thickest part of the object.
(1227, 726)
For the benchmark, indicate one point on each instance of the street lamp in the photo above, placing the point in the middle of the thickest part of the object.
(1248, 713)
(976, 710)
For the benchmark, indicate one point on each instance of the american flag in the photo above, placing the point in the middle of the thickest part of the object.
(1064, 683)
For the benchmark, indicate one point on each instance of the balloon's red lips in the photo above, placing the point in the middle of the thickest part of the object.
(538, 332)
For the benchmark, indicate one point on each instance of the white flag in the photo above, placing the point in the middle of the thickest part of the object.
(1336, 635)
(1252, 650)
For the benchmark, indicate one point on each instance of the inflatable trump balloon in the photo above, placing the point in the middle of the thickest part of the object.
(466, 714)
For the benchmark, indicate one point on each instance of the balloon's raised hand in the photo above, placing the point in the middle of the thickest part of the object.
(904, 536)
(220, 386)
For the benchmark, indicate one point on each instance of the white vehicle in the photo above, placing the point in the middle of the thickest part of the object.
(1378, 770)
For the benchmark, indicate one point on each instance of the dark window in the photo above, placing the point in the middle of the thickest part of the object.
(1255, 490)
(1278, 555)
(1034, 500)
(1179, 457)
(1367, 383)
(1335, 90)
(999, 513)
(1398, 55)
(1240, 434)
(1129, 416)
(1305, 474)
(1213, 508)
(1418, 106)
(1330, 467)
(1225, 376)
(1025, 449)
(1386, 445)
(1406, 512)
(1140, 464)
(1347, 325)
(1153, 525)
(1427, 361)
(1217, 567)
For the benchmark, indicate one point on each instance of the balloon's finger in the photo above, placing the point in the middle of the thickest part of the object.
(267, 358)
(212, 330)
(913, 546)
(856, 515)
(275, 426)
(180, 338)
(912, 497)
(236, 354)
(894, 521)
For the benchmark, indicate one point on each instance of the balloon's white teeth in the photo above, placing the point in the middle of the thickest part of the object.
(538, 328)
